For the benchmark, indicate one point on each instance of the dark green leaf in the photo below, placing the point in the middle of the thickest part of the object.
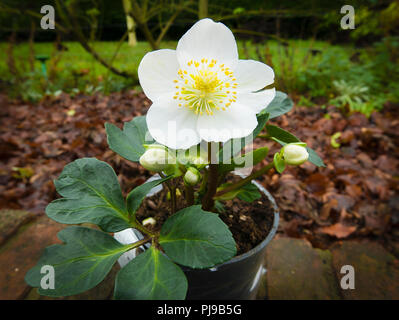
(136, 196)
(249, 159)
(196, 238)
(91, 194)
(219, 207)
(151, 276)
(80, 264)
(314, 158)
(280, 104)
(232, 147)
(129, 142)
(281, 134)
(249, 193)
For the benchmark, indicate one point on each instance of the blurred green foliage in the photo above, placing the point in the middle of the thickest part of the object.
(357, 70)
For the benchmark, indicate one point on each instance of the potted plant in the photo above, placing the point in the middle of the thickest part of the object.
(208, 106)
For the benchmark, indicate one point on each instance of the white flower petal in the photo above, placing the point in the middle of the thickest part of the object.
(210, 40)
(157, 70)
(172, 125)
(256, 100)
(235, 122)
(252, 75)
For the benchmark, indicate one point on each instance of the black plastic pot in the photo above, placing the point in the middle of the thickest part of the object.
(236, 279)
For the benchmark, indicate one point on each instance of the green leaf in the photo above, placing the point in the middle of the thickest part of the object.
(129, 142)
(136, 196)
(314, 158)
(234, 146)
(151, 276)
(196, 238)
(279, 163)
(91, 194)
(228, 195)
(249, 193)
(80, 264)
(283, 137)
(280, 134)
(249, 159)
(219, 207)
(280, 104)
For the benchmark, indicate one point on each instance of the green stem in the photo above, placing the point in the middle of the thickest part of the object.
(139, 243)
(137, 225)
(246, 180)
(172, 190)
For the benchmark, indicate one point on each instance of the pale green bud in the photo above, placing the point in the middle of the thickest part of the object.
(295, 154)
(150, 221)
(157, 159)
(192, 176)
(193, 157)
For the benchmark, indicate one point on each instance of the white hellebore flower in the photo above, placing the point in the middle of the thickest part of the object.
(295, 154)
(201, 90)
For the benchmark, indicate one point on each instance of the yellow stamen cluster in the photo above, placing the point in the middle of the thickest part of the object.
(204, 86)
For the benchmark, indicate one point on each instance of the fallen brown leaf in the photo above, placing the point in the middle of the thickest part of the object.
(339, 230)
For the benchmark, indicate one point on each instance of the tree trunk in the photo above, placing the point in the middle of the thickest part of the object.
(202, 9)
(139, 18)
(131, 26)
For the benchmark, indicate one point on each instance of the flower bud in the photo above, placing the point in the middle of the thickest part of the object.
(151, 221)
(157, 159)
(177, 192)
(193, 157)
(192, 176)
(295, 154)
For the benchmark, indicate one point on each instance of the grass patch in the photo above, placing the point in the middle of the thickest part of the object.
(303, 68)
(128, 58)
